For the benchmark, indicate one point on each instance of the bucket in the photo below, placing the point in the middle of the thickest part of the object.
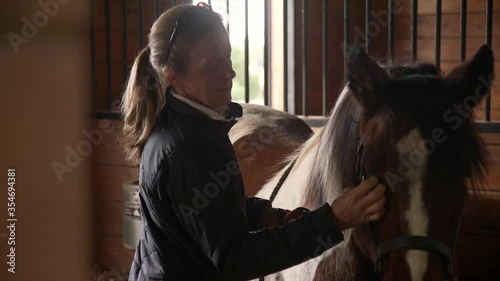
(131, 214)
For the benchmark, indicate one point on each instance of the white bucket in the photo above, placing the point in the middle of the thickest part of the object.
(131, 214)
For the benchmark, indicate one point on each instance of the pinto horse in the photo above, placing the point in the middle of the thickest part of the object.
(413, 128)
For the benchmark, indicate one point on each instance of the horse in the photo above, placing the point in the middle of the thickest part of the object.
(412, 127)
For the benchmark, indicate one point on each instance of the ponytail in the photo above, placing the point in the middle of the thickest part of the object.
(141, 105)
(144, 96)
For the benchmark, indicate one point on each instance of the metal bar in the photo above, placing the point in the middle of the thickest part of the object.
(488, 127)
(414, 26)
(483, 127)
(108, 52)
(227, 11)
(489, 25)
(92, 53)
(266, 52)
(285, 54)
(156, 9)
(489, 21)
(210, 3)
(107, 115)
(463, 29)
(139, 31)
(304, 57)
(247, 74)
(124, 40)
(390, 31)
(368, 19)
(346, 35)
(325, 57)
(438, 33)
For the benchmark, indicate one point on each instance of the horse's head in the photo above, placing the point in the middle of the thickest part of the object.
(416, 134)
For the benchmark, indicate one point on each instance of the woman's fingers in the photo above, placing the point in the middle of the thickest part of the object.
(376, 207)
(375, 217)
(373, 196)
(364, 187)
(360, 204)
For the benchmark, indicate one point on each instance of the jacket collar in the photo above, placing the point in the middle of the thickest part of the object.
(179, 106)
(212, 114)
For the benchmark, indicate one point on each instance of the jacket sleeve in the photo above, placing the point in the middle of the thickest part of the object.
(210, 207)
(254, 209)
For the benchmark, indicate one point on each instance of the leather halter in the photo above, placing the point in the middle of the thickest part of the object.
(407, 242)
(281, 181)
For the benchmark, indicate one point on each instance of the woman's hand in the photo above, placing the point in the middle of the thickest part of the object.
(359, 205)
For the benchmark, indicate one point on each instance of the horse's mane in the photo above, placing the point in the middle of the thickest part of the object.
(335, 143)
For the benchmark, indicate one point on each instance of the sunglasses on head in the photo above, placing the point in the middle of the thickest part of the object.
(175, 32)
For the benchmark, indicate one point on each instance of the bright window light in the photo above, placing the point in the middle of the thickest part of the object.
(235, 21)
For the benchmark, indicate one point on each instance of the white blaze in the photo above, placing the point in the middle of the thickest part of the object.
(412, 149)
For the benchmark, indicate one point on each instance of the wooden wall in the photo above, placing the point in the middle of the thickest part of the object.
(450, 37)
(335, 43)
(450, 41)
(478, 244)
(110, 171)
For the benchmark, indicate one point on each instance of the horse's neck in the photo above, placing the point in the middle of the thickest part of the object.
(292, 193)
(314, 179)
(317, 176)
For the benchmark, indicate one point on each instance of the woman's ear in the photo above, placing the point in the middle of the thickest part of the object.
(171, 77)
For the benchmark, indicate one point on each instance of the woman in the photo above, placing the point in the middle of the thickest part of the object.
(196, 222)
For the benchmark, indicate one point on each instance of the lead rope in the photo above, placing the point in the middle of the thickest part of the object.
(452, 270)
(278, 187)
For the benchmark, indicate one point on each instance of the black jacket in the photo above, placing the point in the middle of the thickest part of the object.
(196, 220)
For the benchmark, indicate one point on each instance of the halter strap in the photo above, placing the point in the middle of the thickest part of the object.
(404, 243)
(278, 187)
(281, 181)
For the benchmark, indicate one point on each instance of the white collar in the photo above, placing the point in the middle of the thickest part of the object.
(212, 114)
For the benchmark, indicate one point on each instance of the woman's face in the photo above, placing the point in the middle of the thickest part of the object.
(209, 72)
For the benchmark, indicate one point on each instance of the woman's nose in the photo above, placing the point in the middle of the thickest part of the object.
(230, 73)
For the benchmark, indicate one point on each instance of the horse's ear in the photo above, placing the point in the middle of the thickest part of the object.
(471, 80)
(366, 79)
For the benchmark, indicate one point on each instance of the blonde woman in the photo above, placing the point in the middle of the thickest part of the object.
(197, 223)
